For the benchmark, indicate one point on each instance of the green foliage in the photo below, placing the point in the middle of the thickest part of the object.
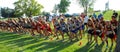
(45, 13)
(55, 9)
(63, 6)
(107, 14)
(86, 4)
(7, 12)
(28, 7)
(90, 10)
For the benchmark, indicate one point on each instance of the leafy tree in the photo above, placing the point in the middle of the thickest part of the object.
(63, 6)
(45, 13)
(90, 10)
(86, 4)
(28, 7)
(7, 12)
(55, 9)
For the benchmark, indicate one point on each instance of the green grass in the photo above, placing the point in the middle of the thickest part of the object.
(11, 42)
(107, 15)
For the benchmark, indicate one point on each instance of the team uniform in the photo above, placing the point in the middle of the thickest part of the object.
(115, 24)
(98, 30)
(56, 25)
(74, 29)
(109, 32)
(48, 28)
(103, 24)
(64, 27)
(90, 29)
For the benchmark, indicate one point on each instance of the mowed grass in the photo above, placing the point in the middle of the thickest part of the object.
(12, 42)
(107, 15)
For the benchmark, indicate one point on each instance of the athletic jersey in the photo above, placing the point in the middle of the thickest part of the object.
(38, 24)
(103, 23)
(11, 23)
(114, 23)
(89, 25)
(48, 28)
(74, 29)
(109, 28)
(63, 25)
(45, 25)
(34, 25)
(94, 21)
(2, 23)
(20, 22)
(70, 26)
(56, 24)
(77, 23)
(98, 27)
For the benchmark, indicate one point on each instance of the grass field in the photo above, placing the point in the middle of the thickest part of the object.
(12, 42)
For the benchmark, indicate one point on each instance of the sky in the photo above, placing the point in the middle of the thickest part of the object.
(73, 8)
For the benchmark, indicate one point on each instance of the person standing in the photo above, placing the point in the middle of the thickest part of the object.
(85, 20)
(100, 16)
(50, 18)
(94, 15)
(115, 14)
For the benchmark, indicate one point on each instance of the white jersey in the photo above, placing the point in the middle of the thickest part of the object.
(50, 18)
(86, 19)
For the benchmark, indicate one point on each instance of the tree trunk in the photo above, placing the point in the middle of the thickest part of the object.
(117, 49)
(85, 10)
(30, 14)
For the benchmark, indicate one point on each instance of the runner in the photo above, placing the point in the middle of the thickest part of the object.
(114, 23)
(91, 29)
(109, 33)
(73, 30)
(98, 31)
(56, 27)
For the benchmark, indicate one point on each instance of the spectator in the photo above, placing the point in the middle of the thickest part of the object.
(50, 18)
(82, 15)
(100, 16)
(86, 19)
(85, 22)
(94, 15)
(115, 14)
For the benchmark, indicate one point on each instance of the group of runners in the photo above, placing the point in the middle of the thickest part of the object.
(73, 27)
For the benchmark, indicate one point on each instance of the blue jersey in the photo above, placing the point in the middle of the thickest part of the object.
(100, 16)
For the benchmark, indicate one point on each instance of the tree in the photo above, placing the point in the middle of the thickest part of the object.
(86, 4)
(45, 13)
(55, 9)
(28, 7)
(117, 49)
(90, 10)
(63, 6)
(7, 12)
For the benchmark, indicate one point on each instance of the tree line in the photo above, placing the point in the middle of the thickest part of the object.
(33, 8)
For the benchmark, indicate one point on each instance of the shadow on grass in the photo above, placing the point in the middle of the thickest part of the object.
(37, 45)
(54, 46)
(111, 48)
(8, 36)
(20, 41)
(2, 34)
(86, 47)
(98, 48)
